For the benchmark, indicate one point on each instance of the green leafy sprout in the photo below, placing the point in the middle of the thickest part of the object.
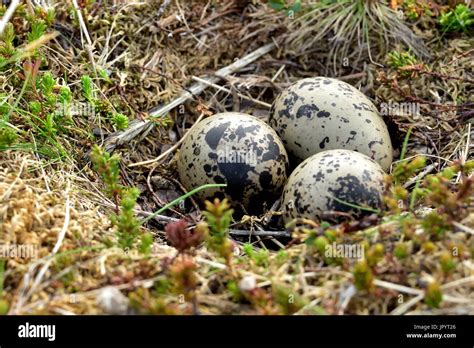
(459, 19)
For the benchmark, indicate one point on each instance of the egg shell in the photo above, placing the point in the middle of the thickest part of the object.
(346, 175)
(321, 113)
(239, 150)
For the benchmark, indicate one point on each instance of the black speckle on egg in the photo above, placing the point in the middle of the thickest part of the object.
(323, 143)
(207, 169)
(214, 135)
(273, 150)
(307, 110)
(219, 179)
(265, 180)
(349, 189)
(241, 131)
(322, 114)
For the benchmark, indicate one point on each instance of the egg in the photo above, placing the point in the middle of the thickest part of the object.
(321, 113)
(333, 181)
(236, 149)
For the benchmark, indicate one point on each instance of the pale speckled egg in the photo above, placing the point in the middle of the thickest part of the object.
(239, 150)
(325, 182)
(321, 113)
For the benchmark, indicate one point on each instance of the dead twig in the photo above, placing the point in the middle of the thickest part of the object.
(171, 149)
(8, 14)
(220, 88)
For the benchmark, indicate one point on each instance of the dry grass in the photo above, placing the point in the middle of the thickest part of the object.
(355, 31)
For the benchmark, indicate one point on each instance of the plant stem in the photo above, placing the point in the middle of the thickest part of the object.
(179, 199)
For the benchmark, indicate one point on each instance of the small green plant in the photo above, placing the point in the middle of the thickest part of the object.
(448, 264)
(219, 216)
(120, 121)
(435, 224)
(284, 5)
(7, 49)
(7, 136)
(363, 276)
(260, 257)
(402, 61)
(128, 227)
(50, 16)
(401, 250)
(450, 199)
(433, 295)
(182, 275)
(108, 168)
(38, 29)
(374, 254)
(235, 291)
(321, 243)
(288, 300)
(363, 270)
(415, 9)
(405, 169)
(146, 243)
(36, 102)
(459, 19)
(281, 257)
(88, 90)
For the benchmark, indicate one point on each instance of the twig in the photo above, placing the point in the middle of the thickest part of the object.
(461, 55)
(346, 297)
(398, 287)
(210, 263)
(8, 14)
(407, 305)
(221, 88)
(463, 228)
(421, 175)
(180, 199)
(82, 24)
(139, 126)
(171, 149)
(8, 191)
(260, 233)
(457, 283)
(162, 8)
(181, 14)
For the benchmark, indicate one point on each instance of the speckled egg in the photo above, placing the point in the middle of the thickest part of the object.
(320, 113)
(239, 150)
(324, 182)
